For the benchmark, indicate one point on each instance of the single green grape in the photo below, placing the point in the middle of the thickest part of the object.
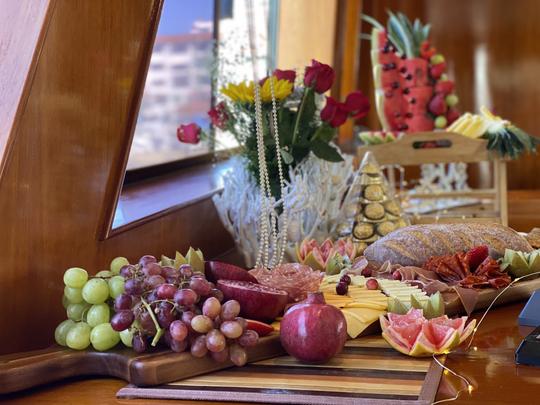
(126, 336)
(117, 263)
(95, 291)
(105, 274)
(75, 277)
(78, 336)
(104, 337)
(116, 286)
(65, 301)
(98, 314)
(74, 295)
(62, 330)
(76, 311)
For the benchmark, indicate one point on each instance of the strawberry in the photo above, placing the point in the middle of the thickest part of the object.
(437, 105)
(261, 328)
(476, 256)
(437, 70)
(452, 114)
(444, 86)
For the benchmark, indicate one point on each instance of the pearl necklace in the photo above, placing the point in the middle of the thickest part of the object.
(268, 210)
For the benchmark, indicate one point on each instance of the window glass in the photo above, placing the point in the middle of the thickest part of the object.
(175, 91)
(183, 73)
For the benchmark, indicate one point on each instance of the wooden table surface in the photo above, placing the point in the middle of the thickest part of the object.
(490, 369)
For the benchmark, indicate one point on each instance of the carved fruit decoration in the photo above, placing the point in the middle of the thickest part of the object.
(412, 90)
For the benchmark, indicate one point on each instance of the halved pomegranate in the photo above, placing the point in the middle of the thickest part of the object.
(257, 301)
(215, 271)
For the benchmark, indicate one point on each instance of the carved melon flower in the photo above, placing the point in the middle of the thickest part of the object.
(329, 256)
(244, 92)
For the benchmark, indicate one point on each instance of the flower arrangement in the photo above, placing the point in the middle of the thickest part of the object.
(306, 119)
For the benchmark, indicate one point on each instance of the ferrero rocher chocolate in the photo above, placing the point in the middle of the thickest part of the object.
(378, 212)
(374, 192)
(363, 230)
(384, 228)
(374, 211)
(392, 207)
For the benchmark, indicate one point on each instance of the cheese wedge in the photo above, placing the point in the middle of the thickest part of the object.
(370, 305)
(364, 315)
(354, 326)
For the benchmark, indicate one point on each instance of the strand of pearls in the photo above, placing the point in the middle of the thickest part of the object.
(280, 251)
(268, 211)
(263, 254)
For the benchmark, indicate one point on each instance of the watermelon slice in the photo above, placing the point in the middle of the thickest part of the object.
(416, 336)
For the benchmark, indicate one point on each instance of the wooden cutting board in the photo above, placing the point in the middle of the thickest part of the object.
(367, 371)
(520, 291)
(25, 370)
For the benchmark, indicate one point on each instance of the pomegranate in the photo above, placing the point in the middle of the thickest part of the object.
(259, 302)
(215, 271)
(313, 331)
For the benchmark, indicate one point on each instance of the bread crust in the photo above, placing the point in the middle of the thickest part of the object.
(414, 245)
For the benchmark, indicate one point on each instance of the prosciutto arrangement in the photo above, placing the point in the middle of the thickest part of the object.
(295, 278)
(460, 274)
(472, 269)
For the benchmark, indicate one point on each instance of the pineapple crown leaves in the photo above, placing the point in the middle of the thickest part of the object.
(407, 37)
(511, 141)
(506, 139)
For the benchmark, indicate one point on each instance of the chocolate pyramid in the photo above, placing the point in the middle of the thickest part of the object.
(370, 209)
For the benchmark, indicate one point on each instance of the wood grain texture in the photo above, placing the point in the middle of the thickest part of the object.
(19, 49)
(378, 375)
(66, 166)
(27, 370)
(492, 53)
(306, 31)
(403, 152)
(347, 46)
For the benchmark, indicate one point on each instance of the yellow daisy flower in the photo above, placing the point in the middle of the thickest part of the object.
(244, 92)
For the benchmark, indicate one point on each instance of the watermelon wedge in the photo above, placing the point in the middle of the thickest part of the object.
(416, 336)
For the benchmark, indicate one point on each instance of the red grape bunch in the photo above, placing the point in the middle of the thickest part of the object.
(178, 307)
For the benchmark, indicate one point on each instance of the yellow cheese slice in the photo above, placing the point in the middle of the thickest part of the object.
(364, 315)
(354, 326)
(369, 305)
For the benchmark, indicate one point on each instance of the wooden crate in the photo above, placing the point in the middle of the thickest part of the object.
(447, 147)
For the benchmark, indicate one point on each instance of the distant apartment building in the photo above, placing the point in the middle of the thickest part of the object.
(177, 90)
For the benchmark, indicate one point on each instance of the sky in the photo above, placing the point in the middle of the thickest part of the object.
(178, 15)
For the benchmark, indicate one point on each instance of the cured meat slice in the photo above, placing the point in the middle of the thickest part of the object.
(294, 278)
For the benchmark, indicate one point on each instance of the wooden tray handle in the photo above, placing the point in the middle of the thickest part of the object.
(25, 370)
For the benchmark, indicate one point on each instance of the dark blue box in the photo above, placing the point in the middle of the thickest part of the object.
(530, 315)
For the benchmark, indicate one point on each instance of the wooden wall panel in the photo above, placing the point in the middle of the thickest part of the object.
(494, 55)
(67, 161)
(17, 50)
(306, 31)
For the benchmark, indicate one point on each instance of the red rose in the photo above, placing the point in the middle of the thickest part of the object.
(218, 115)
(190, 133)
(334, 113)
(289, 75)
(319, 76)
(357, 104)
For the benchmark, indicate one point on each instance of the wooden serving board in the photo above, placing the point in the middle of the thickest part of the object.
(520, 291)
(368, 371)
(25, 370)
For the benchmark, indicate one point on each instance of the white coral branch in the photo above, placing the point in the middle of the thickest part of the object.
(312, 200)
